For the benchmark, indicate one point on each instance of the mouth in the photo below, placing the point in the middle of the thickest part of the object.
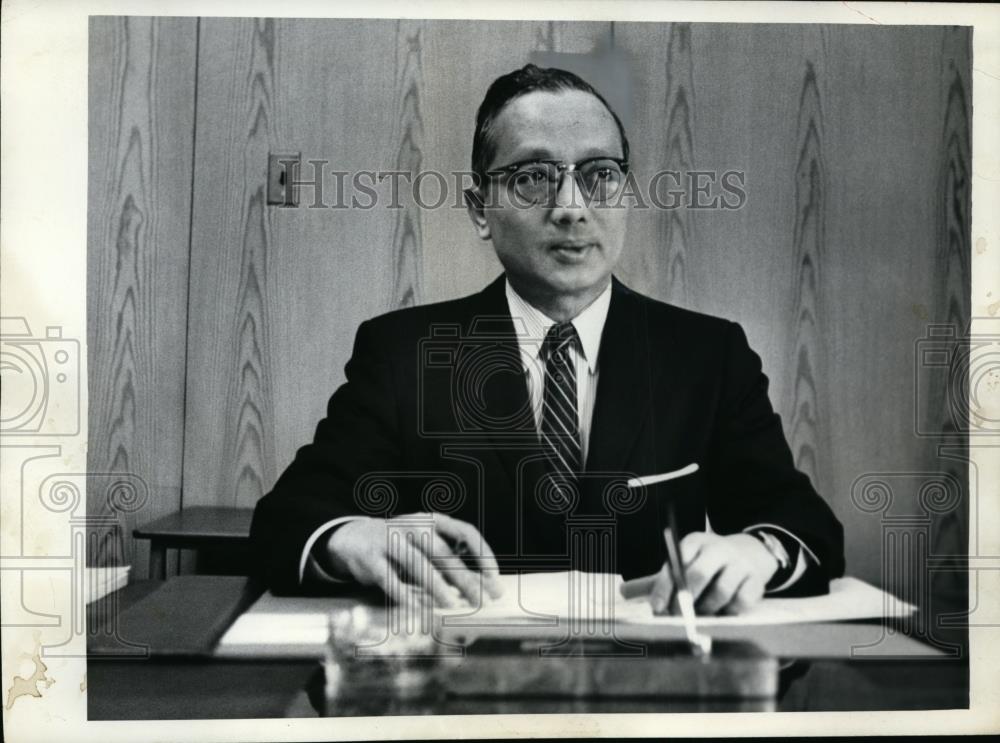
(571, 250)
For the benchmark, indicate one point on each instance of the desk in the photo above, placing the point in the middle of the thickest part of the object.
(216, 688)
(194, 528)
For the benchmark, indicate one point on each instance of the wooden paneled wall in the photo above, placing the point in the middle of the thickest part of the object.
(854, 142)
(141, 137)
(850, 244)
(276, 294)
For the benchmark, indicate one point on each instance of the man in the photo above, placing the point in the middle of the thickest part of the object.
(529, 405)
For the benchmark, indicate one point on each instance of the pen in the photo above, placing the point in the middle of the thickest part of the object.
(685, 601)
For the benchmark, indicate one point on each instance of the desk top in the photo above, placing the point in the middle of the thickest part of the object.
(202, 522)
(174, 687)
(296, 627)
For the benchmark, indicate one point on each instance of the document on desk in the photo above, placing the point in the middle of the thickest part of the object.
(596, 595)
(275, 625)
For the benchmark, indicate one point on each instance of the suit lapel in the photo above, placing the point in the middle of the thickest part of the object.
(627, 373)
(626, 377)
(624, 383)
(623, 400)
(507, 418)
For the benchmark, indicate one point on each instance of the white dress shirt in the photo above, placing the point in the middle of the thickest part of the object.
(531, 326)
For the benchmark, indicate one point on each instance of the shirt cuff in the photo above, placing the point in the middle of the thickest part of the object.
(307, 558)
(806, 556)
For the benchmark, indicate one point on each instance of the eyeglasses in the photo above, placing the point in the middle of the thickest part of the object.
(539, 181)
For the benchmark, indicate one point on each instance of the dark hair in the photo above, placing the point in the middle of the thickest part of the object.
(513, 85)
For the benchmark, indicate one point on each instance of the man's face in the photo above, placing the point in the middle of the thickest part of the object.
(564, 249)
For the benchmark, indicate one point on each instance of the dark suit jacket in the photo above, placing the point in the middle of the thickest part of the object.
(434, 416)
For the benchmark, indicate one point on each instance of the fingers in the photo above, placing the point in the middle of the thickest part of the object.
(702, 568)
(662, 590)
(747, 596)
(479, 552)
(692, 544)
(720, 577)
(720, 593)
(385, 577)
(455, 571)
(411, 556)
(421, 555)
(661, 593)
(637, 587)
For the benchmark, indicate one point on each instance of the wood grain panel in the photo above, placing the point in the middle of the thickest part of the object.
(829, 264)
(277, 293)
(661, 139)
(141, 128)
(675, 226)
(230, 410)
(741, 263)
(338, 266)
(755, 111)
(407, 239)
(953, 186)
(951, 529)
(884, 116)
(570, 37)
(808, 312)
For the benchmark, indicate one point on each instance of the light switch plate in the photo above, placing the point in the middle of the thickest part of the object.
(282, 177)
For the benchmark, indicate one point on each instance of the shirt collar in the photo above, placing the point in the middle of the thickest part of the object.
(589, 324)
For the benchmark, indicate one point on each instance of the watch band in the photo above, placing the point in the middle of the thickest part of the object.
(776, 546)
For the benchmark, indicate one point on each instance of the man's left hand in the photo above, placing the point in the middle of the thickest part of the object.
(726, 574)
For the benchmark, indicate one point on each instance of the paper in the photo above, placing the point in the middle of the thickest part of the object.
(542, 595)
(538, 597)
(596, 596)
(849, 599)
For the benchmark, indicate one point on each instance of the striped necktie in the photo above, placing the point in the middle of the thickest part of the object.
(560, 434)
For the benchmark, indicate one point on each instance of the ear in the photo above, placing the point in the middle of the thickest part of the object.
(474, 205)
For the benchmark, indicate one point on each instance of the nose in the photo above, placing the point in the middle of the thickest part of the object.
(569, 205)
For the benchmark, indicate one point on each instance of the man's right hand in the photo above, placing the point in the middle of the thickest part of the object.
(420, 563)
